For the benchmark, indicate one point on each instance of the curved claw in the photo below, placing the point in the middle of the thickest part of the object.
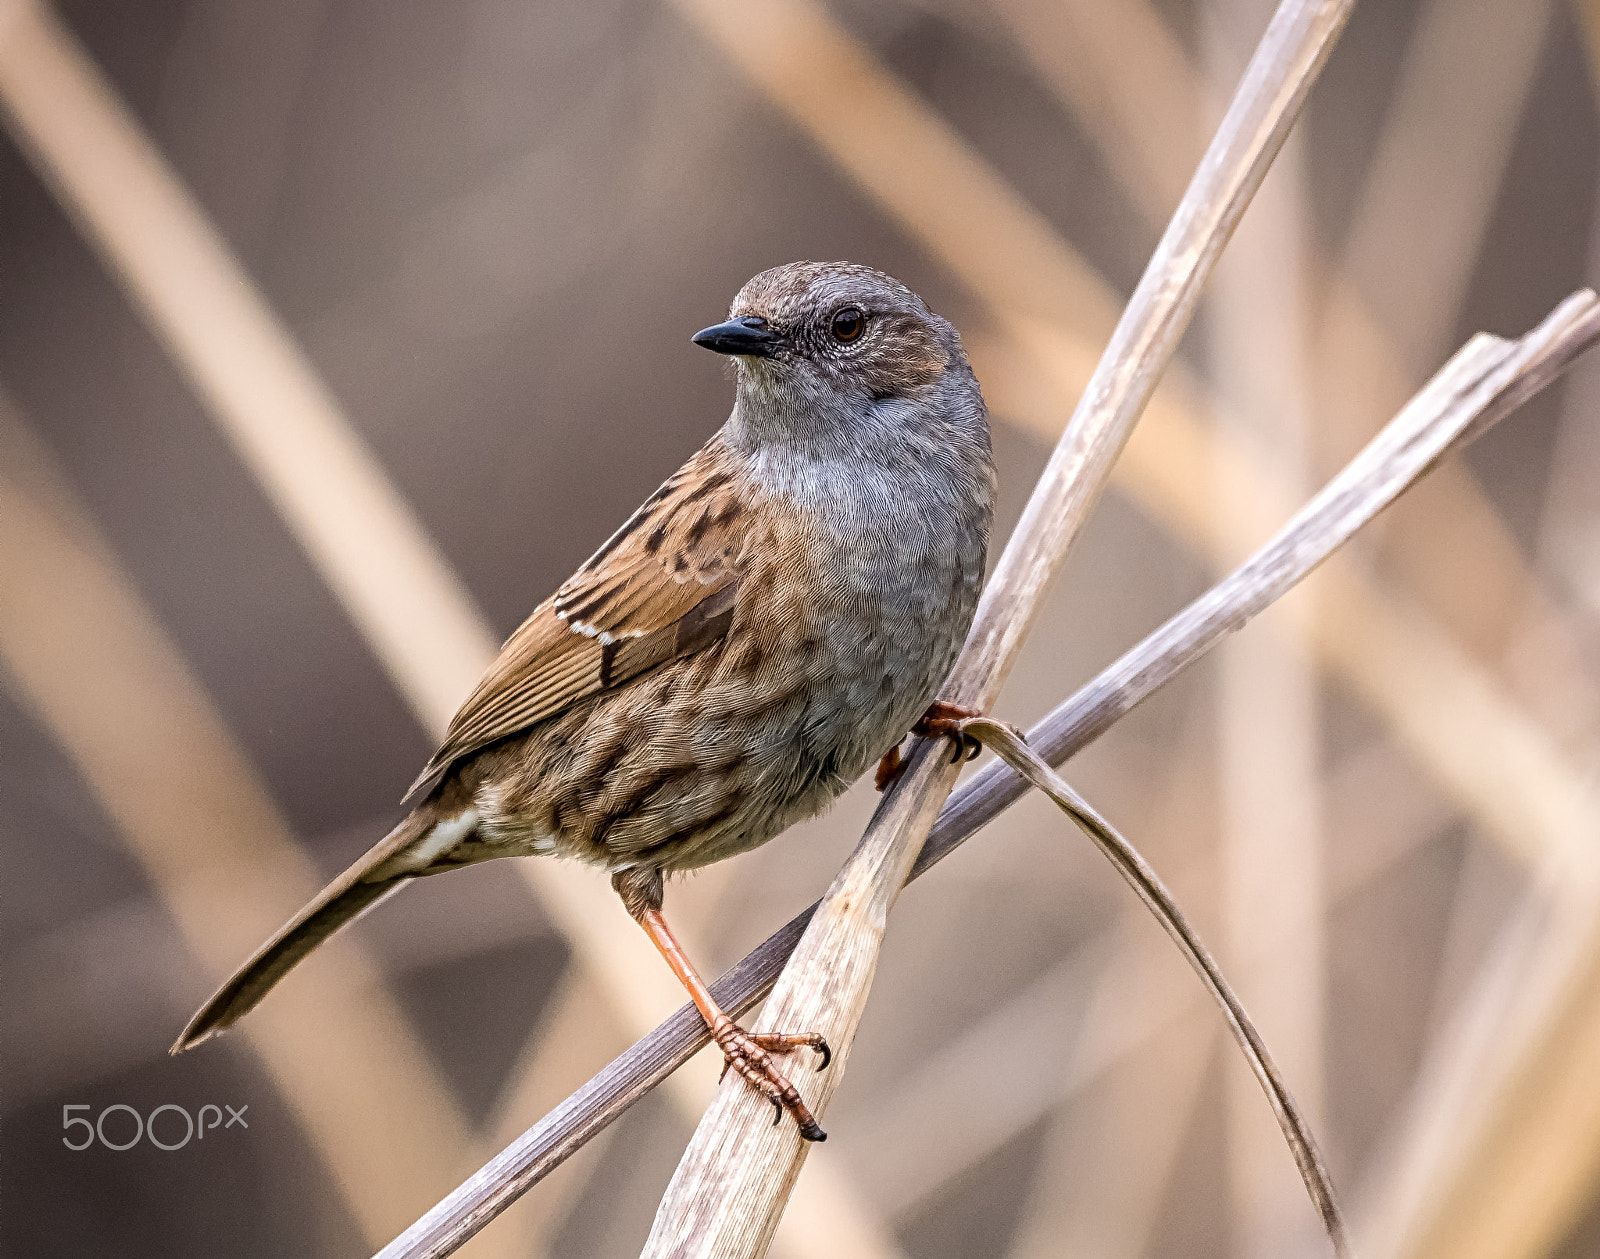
(968, 747)
(827, 1055)
(777, 1107)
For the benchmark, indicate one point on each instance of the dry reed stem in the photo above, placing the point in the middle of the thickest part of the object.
(1498, 1150)
(91, 660)
(1084, 50)
(1485, 381)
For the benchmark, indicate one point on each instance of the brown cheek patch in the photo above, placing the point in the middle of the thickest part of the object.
(908, 358)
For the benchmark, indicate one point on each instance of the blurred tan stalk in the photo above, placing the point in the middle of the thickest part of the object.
(1258, 341)
(103, 677)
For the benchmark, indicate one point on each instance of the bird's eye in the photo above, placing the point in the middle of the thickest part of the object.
(848, 323)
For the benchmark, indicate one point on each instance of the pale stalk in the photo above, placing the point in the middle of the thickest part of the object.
(1482, 384)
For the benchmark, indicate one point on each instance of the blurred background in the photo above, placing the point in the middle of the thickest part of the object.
(334, 334)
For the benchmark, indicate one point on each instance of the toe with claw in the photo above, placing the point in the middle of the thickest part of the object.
(750, 1054)
(945, 721)
(942, 721)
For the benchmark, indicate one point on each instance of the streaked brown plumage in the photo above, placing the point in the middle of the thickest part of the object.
(766, 626)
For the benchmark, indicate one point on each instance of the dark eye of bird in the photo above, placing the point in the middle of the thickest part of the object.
(848, 323)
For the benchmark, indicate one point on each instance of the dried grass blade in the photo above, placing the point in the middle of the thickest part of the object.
(1008, 743)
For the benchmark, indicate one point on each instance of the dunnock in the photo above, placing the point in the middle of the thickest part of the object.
(767, 625)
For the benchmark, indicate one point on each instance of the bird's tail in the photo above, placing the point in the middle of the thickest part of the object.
(349, 896)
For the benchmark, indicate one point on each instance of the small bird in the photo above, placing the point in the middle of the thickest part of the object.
(771, 622)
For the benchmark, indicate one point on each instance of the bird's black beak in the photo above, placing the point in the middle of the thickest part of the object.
(748, 334)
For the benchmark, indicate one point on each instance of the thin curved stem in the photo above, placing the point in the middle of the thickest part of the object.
(1011, 746)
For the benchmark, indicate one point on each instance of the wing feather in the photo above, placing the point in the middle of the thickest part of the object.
(662, 586)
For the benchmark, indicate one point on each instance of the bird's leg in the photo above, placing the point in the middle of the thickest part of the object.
(889, 768)
(748, 1053)
(941, 721)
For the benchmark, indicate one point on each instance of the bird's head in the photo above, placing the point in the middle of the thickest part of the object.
(818, 332)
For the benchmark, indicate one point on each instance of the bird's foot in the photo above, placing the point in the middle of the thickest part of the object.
(943, 721)
(750, 1054)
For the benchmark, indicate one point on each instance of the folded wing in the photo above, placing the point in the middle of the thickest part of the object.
(663, 586)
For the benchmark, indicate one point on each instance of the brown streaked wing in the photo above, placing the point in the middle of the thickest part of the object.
(662, 586)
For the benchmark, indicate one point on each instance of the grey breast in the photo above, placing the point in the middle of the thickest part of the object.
(904, 542)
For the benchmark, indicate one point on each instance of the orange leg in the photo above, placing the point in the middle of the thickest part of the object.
(888, 768)
(748, 1053)
(938, 722)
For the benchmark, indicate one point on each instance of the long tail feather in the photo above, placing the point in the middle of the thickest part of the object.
(344, 900)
